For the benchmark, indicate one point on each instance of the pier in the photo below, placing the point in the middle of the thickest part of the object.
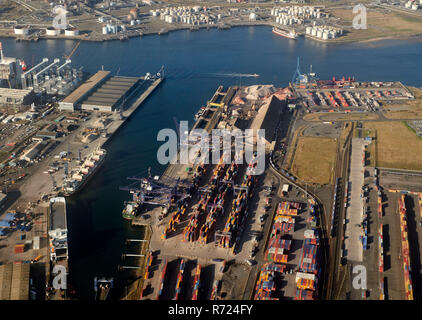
(112, 129)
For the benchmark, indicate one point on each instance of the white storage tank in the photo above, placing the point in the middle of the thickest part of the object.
(105, 30)
(415, 7)
(50, 31)
(21, 30)
(319, 34)
(308, 30)
(325, 35)
(70, 32)
(314, 32)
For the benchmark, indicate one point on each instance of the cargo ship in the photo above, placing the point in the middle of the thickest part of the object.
(80, 175)
(57, 230)
(57, 244)
(287, 34)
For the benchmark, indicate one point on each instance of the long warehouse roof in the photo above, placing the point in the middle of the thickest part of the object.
(14, 281)
(78, 93)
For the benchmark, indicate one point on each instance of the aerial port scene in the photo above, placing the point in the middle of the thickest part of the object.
(212, 151)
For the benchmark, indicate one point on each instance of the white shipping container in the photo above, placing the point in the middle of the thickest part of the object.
(36, 243)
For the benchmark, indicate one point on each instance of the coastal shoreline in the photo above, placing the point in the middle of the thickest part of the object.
(116, 37)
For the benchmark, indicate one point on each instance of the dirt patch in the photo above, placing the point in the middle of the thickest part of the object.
(396, 145)
(381, 23)
(314, 159)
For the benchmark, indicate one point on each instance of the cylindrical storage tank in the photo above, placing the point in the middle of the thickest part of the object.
(105, 30)
(277, 20)
(308, 30)
(314, 32)
(71, 32)
(415, 7)
(50, 31)
(132, 22)
(319, 34)
(21, 30)
(325, 35)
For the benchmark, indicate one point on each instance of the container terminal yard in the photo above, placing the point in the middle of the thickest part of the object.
(212, 222)
(329, 199)
(285, 234)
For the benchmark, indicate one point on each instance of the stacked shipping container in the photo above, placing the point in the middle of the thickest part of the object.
(405, 250)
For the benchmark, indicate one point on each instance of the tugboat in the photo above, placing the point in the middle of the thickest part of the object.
(130, 210)
(102, 287)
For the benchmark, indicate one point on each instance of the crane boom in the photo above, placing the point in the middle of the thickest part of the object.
(67, 57)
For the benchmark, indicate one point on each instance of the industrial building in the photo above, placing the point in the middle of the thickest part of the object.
(111, 94)
(14, 281)
(101, 92)
(10, 70)
(16, 96)
(32, 153)
(54, 78)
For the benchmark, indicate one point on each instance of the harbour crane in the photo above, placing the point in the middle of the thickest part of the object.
(67, 57)
(157, 190)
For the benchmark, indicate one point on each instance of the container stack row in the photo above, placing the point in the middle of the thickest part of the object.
(405, 250)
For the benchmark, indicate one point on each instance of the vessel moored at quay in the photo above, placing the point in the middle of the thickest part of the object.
(287, 34)
(82, 173)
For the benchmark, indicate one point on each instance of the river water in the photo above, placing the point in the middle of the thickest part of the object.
(196, 64)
